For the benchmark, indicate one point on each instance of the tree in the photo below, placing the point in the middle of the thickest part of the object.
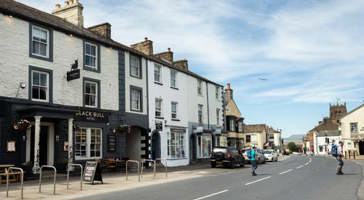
(292, 147)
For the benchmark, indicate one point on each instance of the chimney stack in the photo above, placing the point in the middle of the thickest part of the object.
(181, 64)
(71, 12)
(145, 46)
(166, 56)
(103, 30)
(228, 93)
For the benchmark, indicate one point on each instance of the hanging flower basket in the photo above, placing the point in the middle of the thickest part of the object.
(21, 125)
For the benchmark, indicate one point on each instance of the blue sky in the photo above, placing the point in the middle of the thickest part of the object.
(308, 53)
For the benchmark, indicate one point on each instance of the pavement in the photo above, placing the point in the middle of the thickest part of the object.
(294, 177)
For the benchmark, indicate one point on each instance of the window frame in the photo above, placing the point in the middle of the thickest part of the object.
(139, 89)
(159, 66)
(217, 89)
(351, 127)
(97, 67)
(49, 82)
(200, 149)
(49, 49)
(88, 143)
(199, 87)
(218, 116)
(173, 73)
(140, 71)
(178, 144)
(200, 113)
(174, 112)
(98, 92)
(160, 109)
(232, 127)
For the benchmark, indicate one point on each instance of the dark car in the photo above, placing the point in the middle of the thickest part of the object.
(227, 157)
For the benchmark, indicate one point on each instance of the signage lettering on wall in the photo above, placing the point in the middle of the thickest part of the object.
(94, 116)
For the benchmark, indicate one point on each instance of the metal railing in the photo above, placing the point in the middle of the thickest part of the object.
(7, 171)
(126, 170)
(165, 165)
(68, 174)
(54, 177)
(154, 167)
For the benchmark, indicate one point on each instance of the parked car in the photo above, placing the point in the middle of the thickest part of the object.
(270, 155)
(260, 156)
(227, 157)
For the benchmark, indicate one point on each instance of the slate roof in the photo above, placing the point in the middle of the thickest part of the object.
(327, 125)
(254, 128)
(27, 13)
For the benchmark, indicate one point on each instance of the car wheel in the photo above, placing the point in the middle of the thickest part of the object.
(213, 164)
(232, 164)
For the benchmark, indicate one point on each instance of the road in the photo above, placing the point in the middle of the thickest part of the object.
(298, 177)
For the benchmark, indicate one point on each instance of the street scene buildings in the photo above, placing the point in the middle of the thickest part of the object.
(73, 94)
(74, 98)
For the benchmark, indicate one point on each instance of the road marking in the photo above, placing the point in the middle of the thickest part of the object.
(210, 195)
(286, 171)
(307, 163)
(299, 167)
(258, 180)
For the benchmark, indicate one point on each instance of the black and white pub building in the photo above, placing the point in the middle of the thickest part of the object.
(62, 89)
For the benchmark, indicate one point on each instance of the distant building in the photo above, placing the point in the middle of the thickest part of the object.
(234, 121)
(352, 130)
(320, 138)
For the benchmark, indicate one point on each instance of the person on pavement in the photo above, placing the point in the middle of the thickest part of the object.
(340, 158)
(253, 160)
(337, 152)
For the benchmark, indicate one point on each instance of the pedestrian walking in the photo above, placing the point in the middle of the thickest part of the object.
(253, 160)
(337, 152)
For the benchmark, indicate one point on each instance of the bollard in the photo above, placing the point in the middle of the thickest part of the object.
(165, 166)
(54, 179)
(7, 171)
(126, 170)
(154, 167)
(68, 174)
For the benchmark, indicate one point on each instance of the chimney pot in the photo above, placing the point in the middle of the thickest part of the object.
(169, 49)
(145, 46)
(102, 30)
(71, 12)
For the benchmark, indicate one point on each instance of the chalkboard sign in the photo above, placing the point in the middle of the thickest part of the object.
(111, 143)
(92, 172)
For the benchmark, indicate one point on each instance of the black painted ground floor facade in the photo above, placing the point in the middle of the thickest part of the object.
(35, 134)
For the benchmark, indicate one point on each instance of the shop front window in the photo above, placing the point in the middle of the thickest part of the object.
(204, 146)
(88, 143)
(176, 144)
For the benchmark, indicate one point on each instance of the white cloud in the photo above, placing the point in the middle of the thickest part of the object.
(228, 42)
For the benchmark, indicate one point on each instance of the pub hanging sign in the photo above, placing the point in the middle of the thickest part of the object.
(91, 116)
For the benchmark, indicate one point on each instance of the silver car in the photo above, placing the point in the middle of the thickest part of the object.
(270, 155)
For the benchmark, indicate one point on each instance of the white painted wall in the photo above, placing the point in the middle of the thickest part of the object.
(194, 99)
(356, 116)
(168, 95)
(215, 103)
(321, 141)
(15, 61)
(141, 83)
